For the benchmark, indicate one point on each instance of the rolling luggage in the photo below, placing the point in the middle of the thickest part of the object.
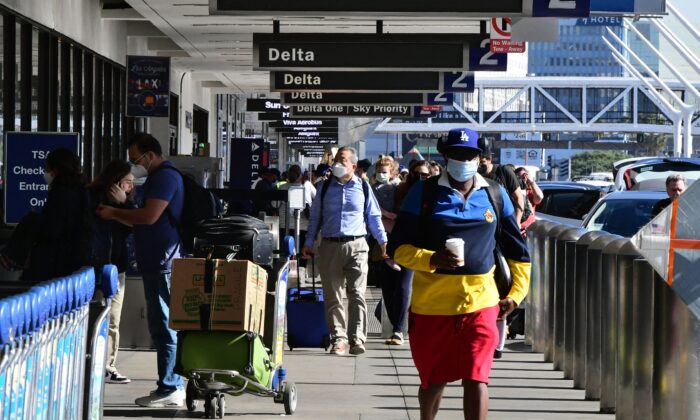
(246, 237)
(306, 317)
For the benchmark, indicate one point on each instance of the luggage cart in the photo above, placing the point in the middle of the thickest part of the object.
(211, 385)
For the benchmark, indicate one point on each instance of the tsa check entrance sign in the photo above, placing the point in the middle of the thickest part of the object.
(25, 157)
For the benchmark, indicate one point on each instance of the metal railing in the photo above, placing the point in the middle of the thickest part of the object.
(53, 343)
(600, 313)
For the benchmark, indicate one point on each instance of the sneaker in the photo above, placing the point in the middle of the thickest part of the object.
(396, 339)
(339, 348)
(497, 354)
(116, 378)
(357, 348)
(171, 399)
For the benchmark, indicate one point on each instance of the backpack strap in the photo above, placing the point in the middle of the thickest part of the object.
(493, 192)
(171, 216)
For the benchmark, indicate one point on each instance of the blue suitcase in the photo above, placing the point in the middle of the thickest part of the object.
(306, 318)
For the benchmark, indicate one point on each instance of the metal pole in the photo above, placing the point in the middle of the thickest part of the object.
(677, 138)
(690, 57)
(689, 26)
(687, 135)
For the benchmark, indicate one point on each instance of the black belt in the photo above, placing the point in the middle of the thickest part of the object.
(342, 238)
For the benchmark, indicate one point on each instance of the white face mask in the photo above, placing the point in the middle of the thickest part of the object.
(462, 171)
(138, 171)
(382, 177)
(339, 170)
(48, 178)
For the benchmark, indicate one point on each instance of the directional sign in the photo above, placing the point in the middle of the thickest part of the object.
(295, 141)
(265, 105)
(439, 99)
(363, 52)
(426, 111)
(325, 98)
(311, 131)
(560, 8)
(342, 81)
(352, 111)
(246, 161)
(272, 116)
(482, 59)
(457, 81)
(310, 135)
(375, 8)
(297, 122)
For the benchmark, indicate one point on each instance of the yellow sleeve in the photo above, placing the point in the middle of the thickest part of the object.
(417, 259)
(520, 272)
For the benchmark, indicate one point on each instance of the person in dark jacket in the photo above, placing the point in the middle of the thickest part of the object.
(114, 187)
(54, 242)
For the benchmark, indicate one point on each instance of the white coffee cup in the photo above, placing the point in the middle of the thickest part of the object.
(456, 246)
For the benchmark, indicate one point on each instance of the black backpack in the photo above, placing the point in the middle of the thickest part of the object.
(502, 275)
(199, 204)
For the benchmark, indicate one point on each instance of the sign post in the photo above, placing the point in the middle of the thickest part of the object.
(25, 159)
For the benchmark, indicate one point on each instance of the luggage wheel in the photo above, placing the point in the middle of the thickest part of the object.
(215, 406)
(289, 397)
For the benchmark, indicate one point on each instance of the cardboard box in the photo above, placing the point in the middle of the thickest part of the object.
(236, 303)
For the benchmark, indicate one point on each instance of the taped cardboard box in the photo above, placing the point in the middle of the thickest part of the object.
(236, 301)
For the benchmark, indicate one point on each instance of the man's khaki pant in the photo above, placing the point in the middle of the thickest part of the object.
(115, 315)
(343, 268)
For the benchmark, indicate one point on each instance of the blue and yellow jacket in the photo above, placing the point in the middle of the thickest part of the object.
(416, 238)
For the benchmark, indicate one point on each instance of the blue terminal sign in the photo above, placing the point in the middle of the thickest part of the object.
(25, 157)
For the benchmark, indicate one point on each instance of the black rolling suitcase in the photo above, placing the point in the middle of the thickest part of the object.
(242, 236)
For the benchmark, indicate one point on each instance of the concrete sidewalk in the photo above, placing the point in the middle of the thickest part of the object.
(381, 384)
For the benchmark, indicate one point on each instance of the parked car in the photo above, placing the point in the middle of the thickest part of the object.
(622, 212)
(567, 202)
(649, 174)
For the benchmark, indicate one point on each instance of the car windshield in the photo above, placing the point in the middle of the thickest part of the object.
(652, 177)
(622, 217)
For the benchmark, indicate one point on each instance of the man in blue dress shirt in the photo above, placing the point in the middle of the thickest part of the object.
(343, 210)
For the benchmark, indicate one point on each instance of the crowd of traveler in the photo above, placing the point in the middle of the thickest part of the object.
(356, 212)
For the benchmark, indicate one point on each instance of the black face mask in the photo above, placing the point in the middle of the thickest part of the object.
(482, 169)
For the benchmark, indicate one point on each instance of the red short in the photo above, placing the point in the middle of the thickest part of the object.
(446, 348)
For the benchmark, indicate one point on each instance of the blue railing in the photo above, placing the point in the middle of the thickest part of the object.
(47, 332)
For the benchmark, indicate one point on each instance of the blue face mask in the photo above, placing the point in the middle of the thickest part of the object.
(462, 171)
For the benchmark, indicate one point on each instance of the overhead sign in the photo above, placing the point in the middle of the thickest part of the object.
(352, 111)
(364, 52)
(24, 162)
(457, 81)
(309, 134)
(314, 131)
(305, 123)
(377, 81)
(343, 81)
(483, 59)
(326, 98)
(439, 99)
(559, 8)
(294, 141)
(500, 37)
(148, 86)
(246, 161)
(429, 111)
(264, 105)
(272, 116)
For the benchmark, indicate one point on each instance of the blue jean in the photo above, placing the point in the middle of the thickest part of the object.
(157, 290)
(396, 292)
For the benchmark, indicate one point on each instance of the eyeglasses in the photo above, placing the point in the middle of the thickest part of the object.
(133, 162)
(422, 175)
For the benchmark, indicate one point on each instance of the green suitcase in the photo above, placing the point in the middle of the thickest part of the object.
(243, 352)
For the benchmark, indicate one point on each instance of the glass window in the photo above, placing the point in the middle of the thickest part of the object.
(621, 217)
